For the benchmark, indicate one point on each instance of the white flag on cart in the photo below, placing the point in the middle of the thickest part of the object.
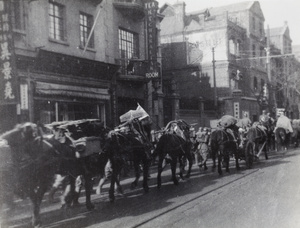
(139, 113)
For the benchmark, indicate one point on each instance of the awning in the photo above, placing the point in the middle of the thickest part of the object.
(72, 91)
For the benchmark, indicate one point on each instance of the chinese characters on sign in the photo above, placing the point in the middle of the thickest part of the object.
(151, 8)
(7, 79)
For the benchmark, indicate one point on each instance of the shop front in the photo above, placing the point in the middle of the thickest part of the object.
(59, 102)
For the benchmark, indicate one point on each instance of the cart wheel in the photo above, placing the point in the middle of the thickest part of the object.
(249, 153)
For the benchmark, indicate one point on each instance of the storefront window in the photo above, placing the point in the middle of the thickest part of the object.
(50, 111)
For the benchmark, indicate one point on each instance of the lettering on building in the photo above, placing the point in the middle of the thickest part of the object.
(151, 8)
(7, 61)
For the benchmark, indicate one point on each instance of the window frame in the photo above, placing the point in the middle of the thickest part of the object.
(59, 27)
(88, 26)
(128, 46)
(128, 43)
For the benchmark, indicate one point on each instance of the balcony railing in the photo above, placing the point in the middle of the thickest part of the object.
(132, 8)
(132, 67)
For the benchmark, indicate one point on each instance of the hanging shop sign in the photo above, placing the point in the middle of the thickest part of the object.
(151, 9)
(7, 57)
(24, 96)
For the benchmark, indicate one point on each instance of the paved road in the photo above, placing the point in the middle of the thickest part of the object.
(268, 195)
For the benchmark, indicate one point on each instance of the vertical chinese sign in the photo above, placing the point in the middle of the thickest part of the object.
(151, 9)
(8, 93)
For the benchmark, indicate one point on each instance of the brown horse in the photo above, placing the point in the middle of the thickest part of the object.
(124, 147)
(223, 144)
(34, 163)
(259, 137)
(177, 148)
(88, 165)
(282, 139)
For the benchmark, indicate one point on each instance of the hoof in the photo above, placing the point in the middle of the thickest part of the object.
(133, 185)
(146, 190)
(98, 191)
(112, 199)
(90, 206)
(76, 204)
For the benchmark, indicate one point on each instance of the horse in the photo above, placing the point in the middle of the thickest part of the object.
(295, 136)
(223, 144)
(282, 139)
(269, 126)
(88, 165)
(34, 163)
(256, 141)
(123, 147)
(259, 136)
(176, 148)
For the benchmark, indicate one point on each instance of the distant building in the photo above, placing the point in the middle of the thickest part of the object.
(233, 36)
(285, 70)
(296, 51)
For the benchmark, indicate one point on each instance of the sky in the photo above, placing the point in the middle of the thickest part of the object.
(276, 12)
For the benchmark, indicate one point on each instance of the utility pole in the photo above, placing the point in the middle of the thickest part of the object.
(214, 76)
(268, 55)
(268, 65)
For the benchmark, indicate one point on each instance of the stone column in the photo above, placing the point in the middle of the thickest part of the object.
(175, 100)
(158, 105)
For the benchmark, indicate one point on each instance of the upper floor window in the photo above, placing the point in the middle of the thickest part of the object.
(128, 44)
(253, 23)
(18, 14)
(56, 21)
(261, 29)
(128, 48)
(253, 50)
(262, 83)
(261, 55)
(85, 24)
(255, 83)
(231, 46)
(238, 48)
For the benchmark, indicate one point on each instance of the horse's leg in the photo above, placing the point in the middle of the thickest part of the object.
(88, 184)
(190, 160)
(112, 186)
(36, 199)
(136, 165)
(220, 163)
(146, 165)
(236, 156)
(118, 185)
(213, 157)
(267, 148)
(204, 165)
(100, 185)
(173, 169)
(159, 170)
(181, 167)
(68, 195)
(226, 160)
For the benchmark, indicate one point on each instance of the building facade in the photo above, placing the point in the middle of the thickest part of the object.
(232, 40)
(285, 70)
(77, 59)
